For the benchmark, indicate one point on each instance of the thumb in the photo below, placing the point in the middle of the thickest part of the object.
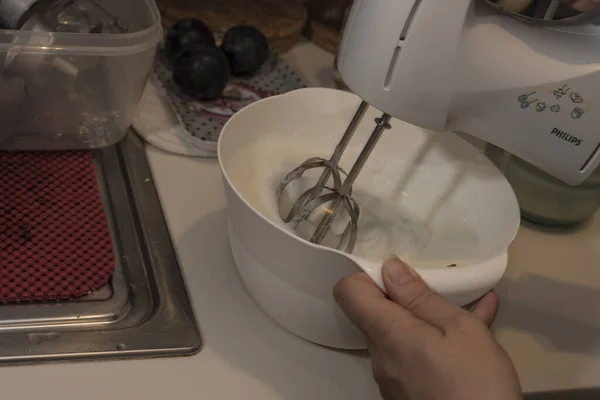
(405, 287)
(367, 307)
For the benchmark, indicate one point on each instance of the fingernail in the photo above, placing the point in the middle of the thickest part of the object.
(392, 256)
(397, 271)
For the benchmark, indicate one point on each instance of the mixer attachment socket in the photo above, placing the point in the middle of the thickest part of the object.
(326, 207)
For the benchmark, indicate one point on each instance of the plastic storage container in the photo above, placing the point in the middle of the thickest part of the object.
(63, 91)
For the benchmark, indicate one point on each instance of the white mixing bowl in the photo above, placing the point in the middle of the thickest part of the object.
(439, 202)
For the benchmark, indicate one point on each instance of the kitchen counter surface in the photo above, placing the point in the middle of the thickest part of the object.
(549, 320)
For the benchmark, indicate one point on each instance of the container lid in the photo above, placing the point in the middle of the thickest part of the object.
(140, 17)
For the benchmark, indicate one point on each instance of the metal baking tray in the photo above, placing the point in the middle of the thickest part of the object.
(144, 311)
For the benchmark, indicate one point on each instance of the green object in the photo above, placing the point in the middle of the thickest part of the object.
(543, 199)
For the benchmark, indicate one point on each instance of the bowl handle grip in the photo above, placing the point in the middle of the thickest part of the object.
(461, 285)
(372, 269)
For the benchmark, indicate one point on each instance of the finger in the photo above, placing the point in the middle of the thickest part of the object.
(487, 308)
(408, 289)
(369, 309)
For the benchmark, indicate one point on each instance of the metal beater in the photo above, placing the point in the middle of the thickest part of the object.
(338, 197)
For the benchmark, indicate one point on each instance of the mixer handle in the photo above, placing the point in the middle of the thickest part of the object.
(402, 56)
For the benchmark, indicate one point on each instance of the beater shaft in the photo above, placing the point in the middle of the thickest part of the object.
(333, 162)
(343, 144)
(383, 123)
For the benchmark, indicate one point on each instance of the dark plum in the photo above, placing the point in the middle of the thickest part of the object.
(185, 34)
(246, 48)
(202, 72)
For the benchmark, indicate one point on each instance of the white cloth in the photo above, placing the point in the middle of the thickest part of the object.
(158, 124)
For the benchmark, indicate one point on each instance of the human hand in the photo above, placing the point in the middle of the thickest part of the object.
(423, 347)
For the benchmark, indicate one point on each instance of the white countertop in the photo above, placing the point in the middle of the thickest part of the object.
(549, 320)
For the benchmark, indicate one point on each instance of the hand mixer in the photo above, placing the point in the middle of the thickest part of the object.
(523, 75)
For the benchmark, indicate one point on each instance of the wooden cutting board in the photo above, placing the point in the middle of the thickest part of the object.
(326, 20)
(281, 21)
(323, 35)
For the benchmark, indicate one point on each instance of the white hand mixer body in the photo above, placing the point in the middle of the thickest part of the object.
(466, 66)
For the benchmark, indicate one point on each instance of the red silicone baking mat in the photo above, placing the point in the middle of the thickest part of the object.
(54, 238)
